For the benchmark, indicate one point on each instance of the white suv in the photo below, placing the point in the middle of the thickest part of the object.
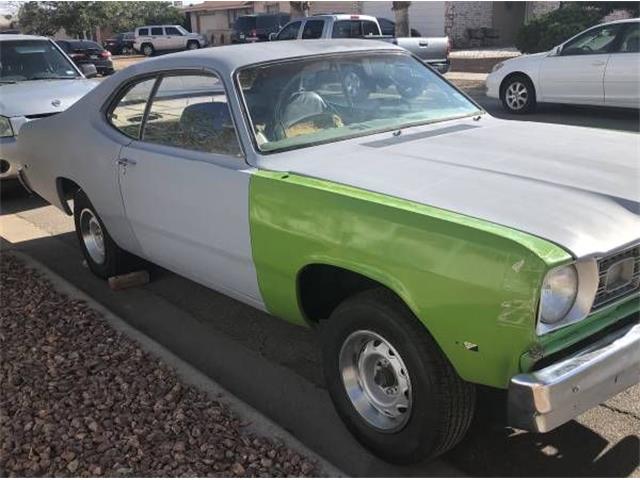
(152, 38)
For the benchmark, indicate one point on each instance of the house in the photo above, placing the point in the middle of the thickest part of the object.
(468, 24)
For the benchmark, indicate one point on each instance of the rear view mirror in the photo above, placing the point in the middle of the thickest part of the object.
(88, 70)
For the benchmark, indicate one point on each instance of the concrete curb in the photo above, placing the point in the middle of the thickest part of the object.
(259, 424)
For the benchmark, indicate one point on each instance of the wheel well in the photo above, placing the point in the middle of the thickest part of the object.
(321, 288)
(515, 74)
(66, 190)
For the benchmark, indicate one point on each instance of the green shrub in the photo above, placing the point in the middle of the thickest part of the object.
(555, 27)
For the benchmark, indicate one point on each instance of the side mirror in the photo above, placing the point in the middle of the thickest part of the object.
(88, 70)
(557, 50)
(273, 36)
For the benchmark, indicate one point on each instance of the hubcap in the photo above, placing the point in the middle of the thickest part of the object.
(147, 50)
(92, 236)
(516, 95)
(192, 46)
(376, 380)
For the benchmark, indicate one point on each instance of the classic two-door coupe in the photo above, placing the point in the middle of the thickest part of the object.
(349, 187)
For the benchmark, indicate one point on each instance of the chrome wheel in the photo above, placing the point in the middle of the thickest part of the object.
(516, 95)
(92, 236)
(376, 380)
(193, 46)
(147, 50)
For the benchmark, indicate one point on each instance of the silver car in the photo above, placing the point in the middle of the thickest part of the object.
(37, 80)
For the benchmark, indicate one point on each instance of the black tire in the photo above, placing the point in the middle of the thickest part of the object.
(518, 105)
(442, 403)
(116, 260)
(147, 49)
(193, 45)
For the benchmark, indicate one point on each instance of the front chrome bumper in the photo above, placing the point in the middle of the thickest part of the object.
(545, 399)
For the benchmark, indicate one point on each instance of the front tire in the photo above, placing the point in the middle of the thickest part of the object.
(518, 94)
(104, 258)
(390, 383)
(193, 45)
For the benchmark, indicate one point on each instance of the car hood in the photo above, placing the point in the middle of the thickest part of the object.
(41, 96)
(577, 187)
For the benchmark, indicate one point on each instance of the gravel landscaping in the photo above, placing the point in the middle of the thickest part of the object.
(78, 398)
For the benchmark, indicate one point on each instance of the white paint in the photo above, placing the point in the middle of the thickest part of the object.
(426, 17)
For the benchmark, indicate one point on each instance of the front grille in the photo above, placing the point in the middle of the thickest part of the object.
(608, 291)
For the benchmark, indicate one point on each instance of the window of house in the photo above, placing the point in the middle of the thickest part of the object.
(128, 113)
(313, 29)
(191, 112)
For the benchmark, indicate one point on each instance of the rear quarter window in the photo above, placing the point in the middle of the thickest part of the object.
(143, 32)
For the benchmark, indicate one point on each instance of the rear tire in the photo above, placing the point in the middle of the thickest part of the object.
(518, 95)
(424, 409)
(148, 50)
(104, 258)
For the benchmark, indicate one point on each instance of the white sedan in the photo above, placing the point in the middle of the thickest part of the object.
(600, 66)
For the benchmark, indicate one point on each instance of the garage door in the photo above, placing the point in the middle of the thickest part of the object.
(426, 17)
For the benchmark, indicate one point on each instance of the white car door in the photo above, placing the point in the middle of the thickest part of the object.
(175, 39)
(622, 77)
(576, 73)
(185, 187)
(158, 38)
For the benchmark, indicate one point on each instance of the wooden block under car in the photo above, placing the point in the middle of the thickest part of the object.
(133, 279)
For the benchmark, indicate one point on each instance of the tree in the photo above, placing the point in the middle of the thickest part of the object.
(605, 8)
(401, 10)
(299, 9)
(80, 19)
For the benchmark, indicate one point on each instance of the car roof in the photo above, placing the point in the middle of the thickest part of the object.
(342, 16)
(228, 58)
(20, 36)
(624, 20)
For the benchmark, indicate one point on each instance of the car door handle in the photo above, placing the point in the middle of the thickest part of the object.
(126, 161)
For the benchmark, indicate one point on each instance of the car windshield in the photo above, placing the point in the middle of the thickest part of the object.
(304, 102)
(22, 60)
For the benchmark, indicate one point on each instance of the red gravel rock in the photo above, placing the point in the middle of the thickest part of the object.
(81, 399)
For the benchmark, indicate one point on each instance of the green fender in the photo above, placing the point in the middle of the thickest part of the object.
(470, 282)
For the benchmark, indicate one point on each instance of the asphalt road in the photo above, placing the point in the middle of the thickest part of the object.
(275, 367)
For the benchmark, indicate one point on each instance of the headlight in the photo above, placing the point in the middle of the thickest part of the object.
(559, 291)
(5, 127)
(497, 67)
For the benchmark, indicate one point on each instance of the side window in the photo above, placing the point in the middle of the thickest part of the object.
(173, 31)
(290, 32)
(592, 42)
(143, 32)
(370, 28)
(128, 112)
(191, 112)
(630, 42)
(346, 29)
(157, 31)
(313, 29)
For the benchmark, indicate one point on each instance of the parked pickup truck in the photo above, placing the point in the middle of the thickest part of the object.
(344, 186)
(434, 51)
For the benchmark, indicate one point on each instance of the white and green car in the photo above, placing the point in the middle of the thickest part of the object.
(347, 187)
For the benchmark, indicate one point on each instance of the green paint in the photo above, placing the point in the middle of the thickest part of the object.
(464, 278)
